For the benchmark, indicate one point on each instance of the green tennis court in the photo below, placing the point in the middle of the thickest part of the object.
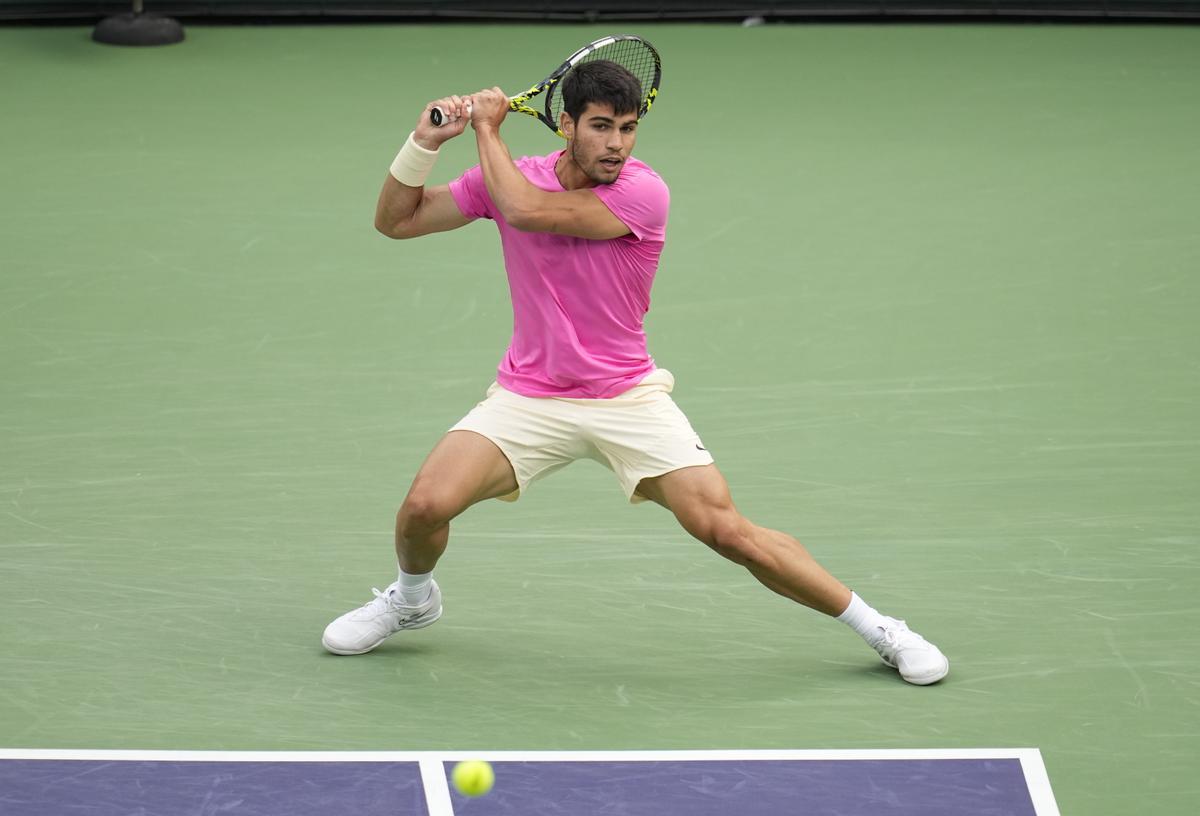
(930, 294)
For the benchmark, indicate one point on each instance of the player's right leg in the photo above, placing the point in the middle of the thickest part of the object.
(463, 469)
(699, 498)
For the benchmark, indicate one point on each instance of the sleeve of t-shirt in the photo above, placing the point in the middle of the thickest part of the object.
(470, 194)
(641, 200)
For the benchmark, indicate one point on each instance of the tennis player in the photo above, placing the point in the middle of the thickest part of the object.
(582, 230)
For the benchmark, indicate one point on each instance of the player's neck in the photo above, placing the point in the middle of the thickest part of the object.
(570, 174)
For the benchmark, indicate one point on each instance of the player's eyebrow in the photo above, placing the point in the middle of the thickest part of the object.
(608, 120)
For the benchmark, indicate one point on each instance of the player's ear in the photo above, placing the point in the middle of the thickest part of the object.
(566, 124)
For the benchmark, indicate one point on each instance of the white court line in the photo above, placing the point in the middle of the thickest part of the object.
(521, 756)
(437, 792)
(1037, 781)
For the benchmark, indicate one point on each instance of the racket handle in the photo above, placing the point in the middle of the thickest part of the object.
(438, 117)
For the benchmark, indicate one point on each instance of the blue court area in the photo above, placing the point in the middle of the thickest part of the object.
(110, 787)
(843, 783)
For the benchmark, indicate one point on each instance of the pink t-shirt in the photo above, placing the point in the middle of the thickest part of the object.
(578, 304)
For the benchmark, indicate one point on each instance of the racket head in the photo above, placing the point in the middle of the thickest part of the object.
(630, 51)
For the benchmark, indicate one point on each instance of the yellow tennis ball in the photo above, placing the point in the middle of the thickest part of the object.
(473, 777)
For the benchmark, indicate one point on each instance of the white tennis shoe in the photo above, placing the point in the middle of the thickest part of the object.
(918, 661)
(365, 628)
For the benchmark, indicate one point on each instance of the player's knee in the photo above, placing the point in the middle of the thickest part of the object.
(421, 512)
(732, 537)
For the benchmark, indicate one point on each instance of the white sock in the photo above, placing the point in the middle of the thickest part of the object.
(862, 618)
(414, 589)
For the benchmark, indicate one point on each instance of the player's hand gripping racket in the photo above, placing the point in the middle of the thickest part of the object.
(627, 50)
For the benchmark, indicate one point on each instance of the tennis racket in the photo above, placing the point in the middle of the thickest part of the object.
(627, 50)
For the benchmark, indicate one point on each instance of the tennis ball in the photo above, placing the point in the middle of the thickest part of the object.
(473, 778)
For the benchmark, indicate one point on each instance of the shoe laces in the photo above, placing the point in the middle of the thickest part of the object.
(390, 600)
(382, 602)
(896, 633)
(382, 598)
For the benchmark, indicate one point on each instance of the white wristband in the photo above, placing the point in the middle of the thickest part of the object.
(413, 163)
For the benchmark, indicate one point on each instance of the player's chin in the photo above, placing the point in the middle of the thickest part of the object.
(607, 173)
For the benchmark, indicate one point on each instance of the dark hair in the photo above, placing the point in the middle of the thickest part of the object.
(600, 81)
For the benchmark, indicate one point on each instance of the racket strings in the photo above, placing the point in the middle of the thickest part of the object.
(635, 56)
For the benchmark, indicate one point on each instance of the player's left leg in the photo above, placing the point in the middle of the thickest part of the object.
(699, 498)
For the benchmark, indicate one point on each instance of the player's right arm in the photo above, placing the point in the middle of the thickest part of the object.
(410, 212)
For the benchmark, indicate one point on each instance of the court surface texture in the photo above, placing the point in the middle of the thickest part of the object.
(930, 297)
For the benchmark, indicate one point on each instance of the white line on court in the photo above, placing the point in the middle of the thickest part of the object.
(437, 792)
(1037, 781)
(1031, 754)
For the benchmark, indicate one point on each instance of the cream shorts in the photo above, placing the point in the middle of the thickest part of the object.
(639, 434)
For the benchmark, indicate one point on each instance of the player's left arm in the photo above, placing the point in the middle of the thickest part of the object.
(523, 205)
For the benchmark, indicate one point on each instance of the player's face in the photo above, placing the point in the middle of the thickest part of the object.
(601, 141)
